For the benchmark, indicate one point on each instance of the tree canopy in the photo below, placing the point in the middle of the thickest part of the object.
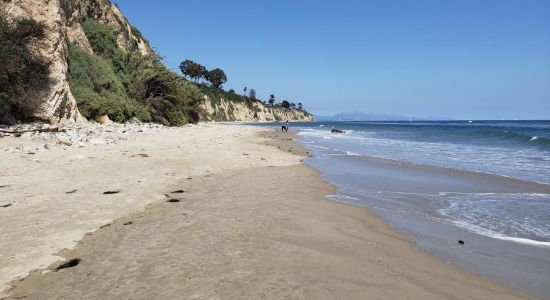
(252, 94)
(193, 70)
(285, 104)
(216, 77)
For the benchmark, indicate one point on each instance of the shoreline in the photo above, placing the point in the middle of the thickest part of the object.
(275, 236)
(543, 186)
(409, 197)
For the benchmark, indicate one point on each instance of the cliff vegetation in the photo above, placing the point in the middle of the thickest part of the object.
(126, 84)
(23, 71)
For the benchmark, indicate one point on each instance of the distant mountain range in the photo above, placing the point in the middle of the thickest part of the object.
(359, 116)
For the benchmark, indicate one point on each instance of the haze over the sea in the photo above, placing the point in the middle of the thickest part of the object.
(458, 59)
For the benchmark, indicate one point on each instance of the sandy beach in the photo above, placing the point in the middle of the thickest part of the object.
(204, 212)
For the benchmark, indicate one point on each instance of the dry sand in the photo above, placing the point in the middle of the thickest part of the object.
(252, 222)
(56, 196)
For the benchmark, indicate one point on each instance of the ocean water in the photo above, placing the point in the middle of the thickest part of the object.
(514, 149)
(519, 149)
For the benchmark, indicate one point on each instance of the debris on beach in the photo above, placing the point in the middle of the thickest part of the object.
(28, 130)
(76, 135)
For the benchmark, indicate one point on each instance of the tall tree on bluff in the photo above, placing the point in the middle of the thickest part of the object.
(285, 104)
(216, 77)
(252, 94)
(271, 99)
(192, 70)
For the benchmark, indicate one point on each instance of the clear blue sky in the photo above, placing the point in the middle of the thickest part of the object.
(468, 59)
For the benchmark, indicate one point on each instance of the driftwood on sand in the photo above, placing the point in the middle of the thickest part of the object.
(23, 130)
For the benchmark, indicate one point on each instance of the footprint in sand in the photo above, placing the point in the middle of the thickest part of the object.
(110, 192)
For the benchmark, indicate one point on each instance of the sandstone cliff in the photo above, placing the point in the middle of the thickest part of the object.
(62, 26)
(224, 110)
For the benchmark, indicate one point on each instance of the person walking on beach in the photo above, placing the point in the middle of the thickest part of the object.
(284, 128)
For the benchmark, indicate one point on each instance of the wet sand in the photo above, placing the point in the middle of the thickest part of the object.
(253, 224)
(391, 175)
(403, 195)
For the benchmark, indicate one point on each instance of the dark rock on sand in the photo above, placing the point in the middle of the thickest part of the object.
(110, 192)
(69, 264)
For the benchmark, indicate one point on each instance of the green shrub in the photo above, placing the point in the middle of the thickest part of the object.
(125, 84)
(171, 99)
(216, 94)
(103, 42)
(24, 74)
(98, 90)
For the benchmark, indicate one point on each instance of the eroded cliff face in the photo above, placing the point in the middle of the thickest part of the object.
(253, 111)
(61, 19)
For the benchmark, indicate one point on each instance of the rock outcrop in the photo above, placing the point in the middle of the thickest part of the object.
(61, 19)
(251, 111)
